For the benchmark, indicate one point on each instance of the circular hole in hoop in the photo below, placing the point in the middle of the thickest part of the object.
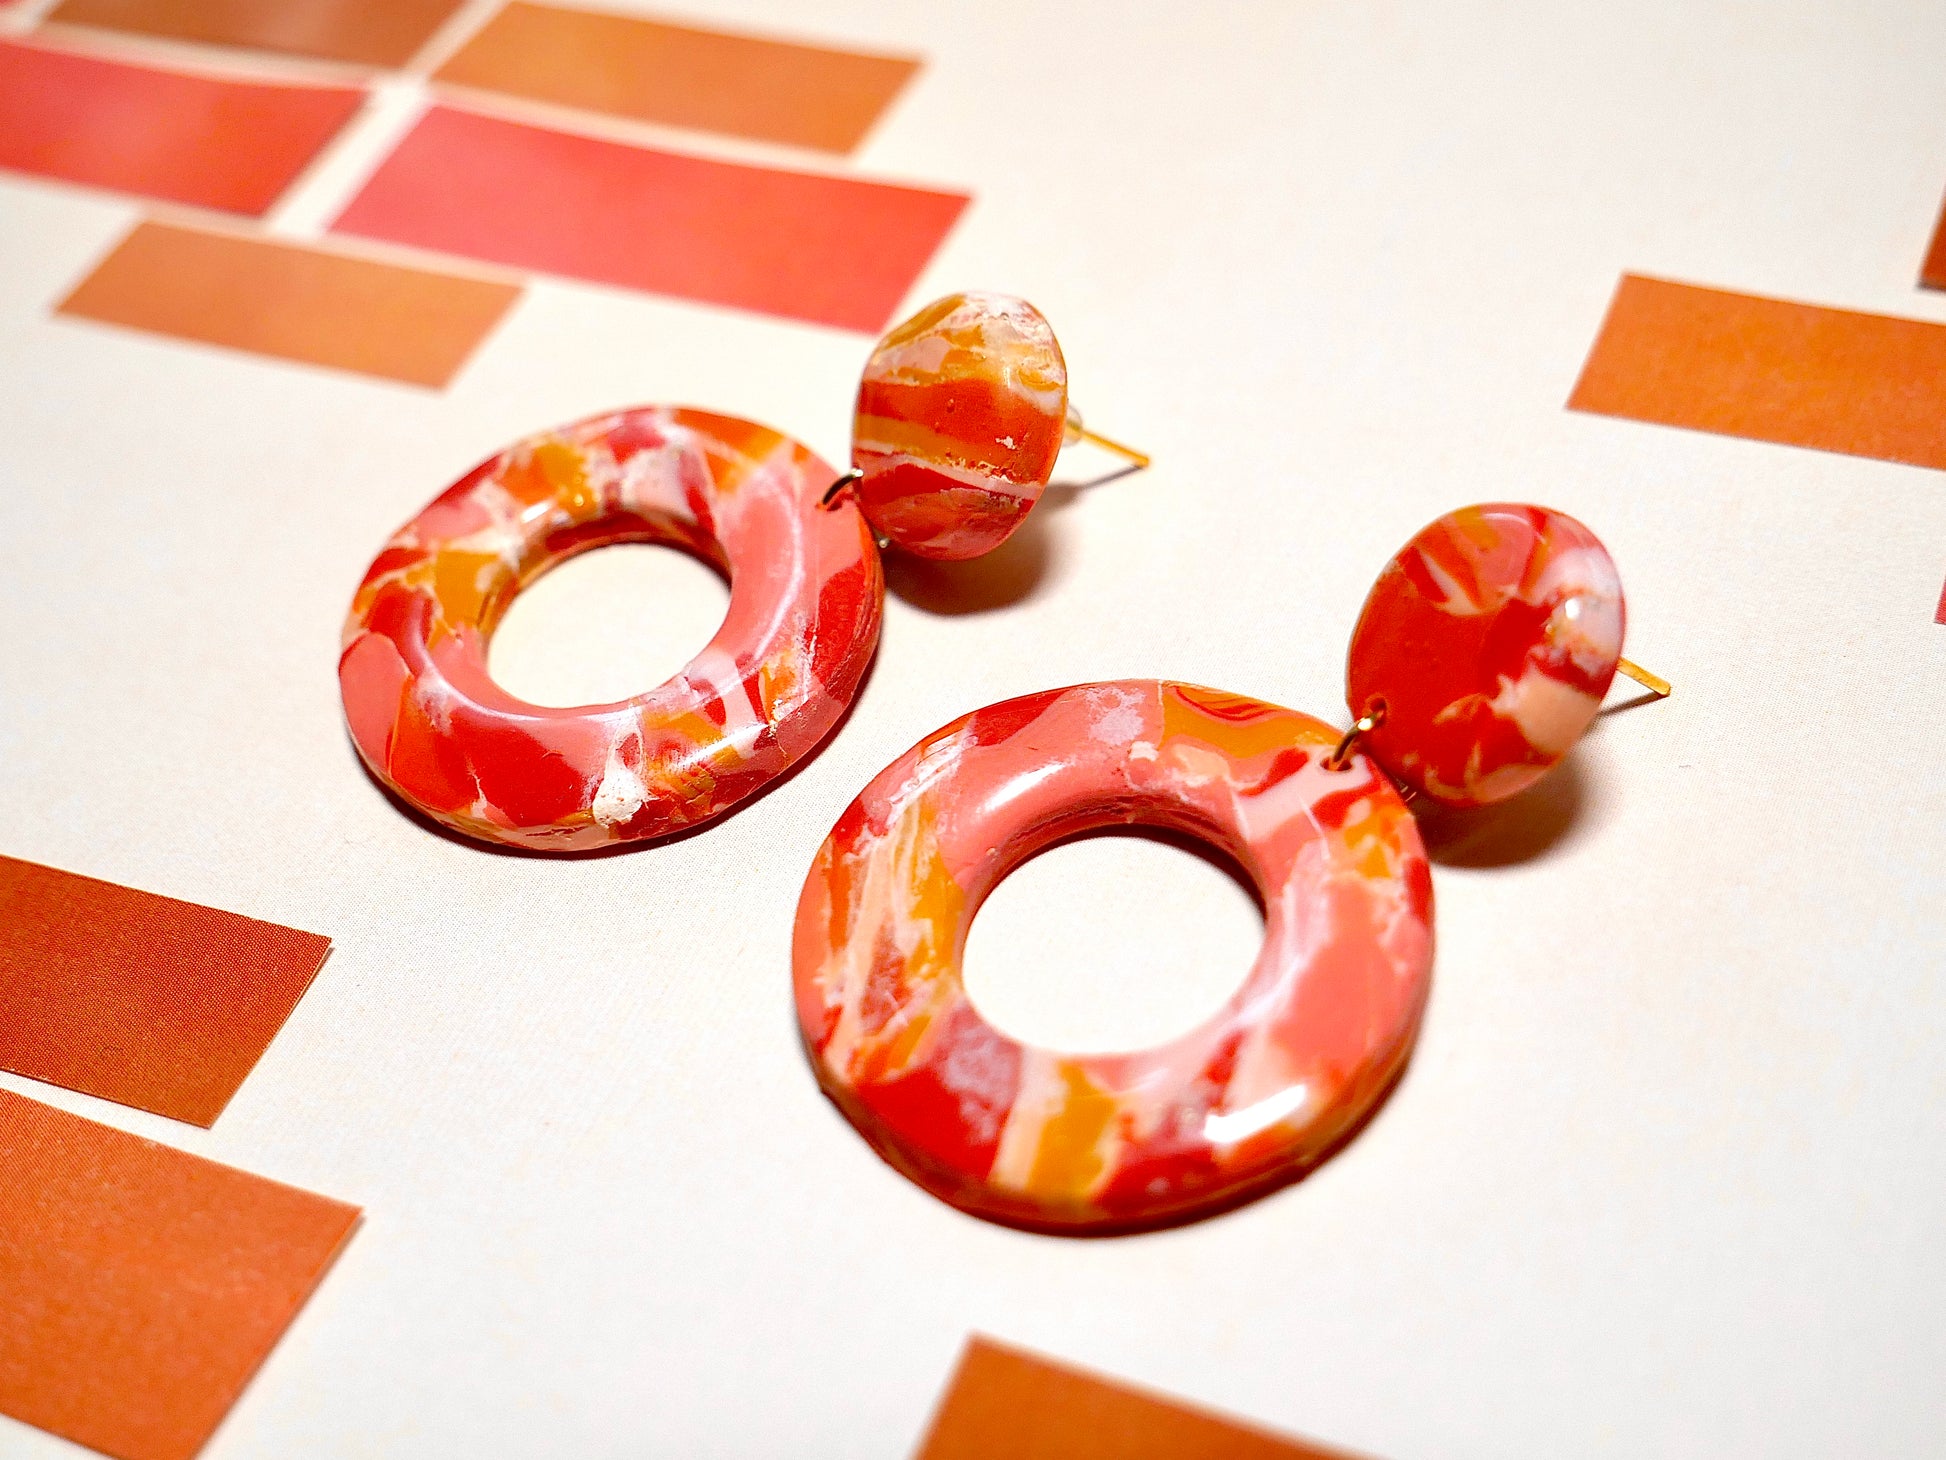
(606, 625)
(1116, 939)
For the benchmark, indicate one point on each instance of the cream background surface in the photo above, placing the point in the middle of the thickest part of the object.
(1667, 1174)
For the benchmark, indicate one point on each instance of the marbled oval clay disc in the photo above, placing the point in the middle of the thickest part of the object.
(1258, 1093)
(806, 593)
(961, 413)
(1491, 638)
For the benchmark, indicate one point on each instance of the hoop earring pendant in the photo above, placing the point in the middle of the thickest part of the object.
(1251, 1098)
(806, 594)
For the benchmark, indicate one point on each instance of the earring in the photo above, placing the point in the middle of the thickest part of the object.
(961, 413)
(1483, 652)
(952, 450)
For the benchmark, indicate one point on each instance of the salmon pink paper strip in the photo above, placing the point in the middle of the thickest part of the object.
(1770, 370)
(1005, 1402)
(293, 302)
(1939, 614)
(837, 251)
(370, 32)
(140, 1287)
(144, 1000)
(740, 85)
(229, 145)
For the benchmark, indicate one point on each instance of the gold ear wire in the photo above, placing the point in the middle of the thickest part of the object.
(840, 485)
(1655, 684)
(1365, 724)
(1078, 432)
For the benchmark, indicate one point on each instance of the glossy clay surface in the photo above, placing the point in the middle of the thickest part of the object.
(1492, 637)
(961, 414)
(805, 597)
(1251, 1097)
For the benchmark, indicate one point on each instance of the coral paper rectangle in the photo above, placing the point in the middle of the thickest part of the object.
(140, 999)
(140, 1287)
(1005, 1402)
(836, 251)
(293, 302)
(744, 86)
(1939, 614)
(367, 32)
(229, 145)
(1770, 370)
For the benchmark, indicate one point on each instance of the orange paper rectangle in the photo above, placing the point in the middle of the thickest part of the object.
(370, 32)
(832, 250)
(1003, 1402)
(216, 143)
(293, 302)
(1770, 370)
(741, 85)
(140, 1287)
(140, 999)
(1933, 274)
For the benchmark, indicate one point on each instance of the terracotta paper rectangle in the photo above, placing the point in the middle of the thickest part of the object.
(1933, 274)
(140, 999)
(293, 302)
(371, 32)
(836, 251)
(230, 145)
(1003, 1402)
(1770, 370)
(741, 85)
(140, 1287)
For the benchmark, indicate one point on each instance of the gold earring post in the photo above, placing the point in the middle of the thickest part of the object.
(841, 485)
(1078, 432)
(1655, 684)
(1365, 724)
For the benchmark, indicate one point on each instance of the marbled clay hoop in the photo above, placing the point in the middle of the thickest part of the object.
(1255, 1095)
(806, 592)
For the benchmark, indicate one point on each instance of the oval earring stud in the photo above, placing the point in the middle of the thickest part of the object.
(962, 411)
(1484, 651)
